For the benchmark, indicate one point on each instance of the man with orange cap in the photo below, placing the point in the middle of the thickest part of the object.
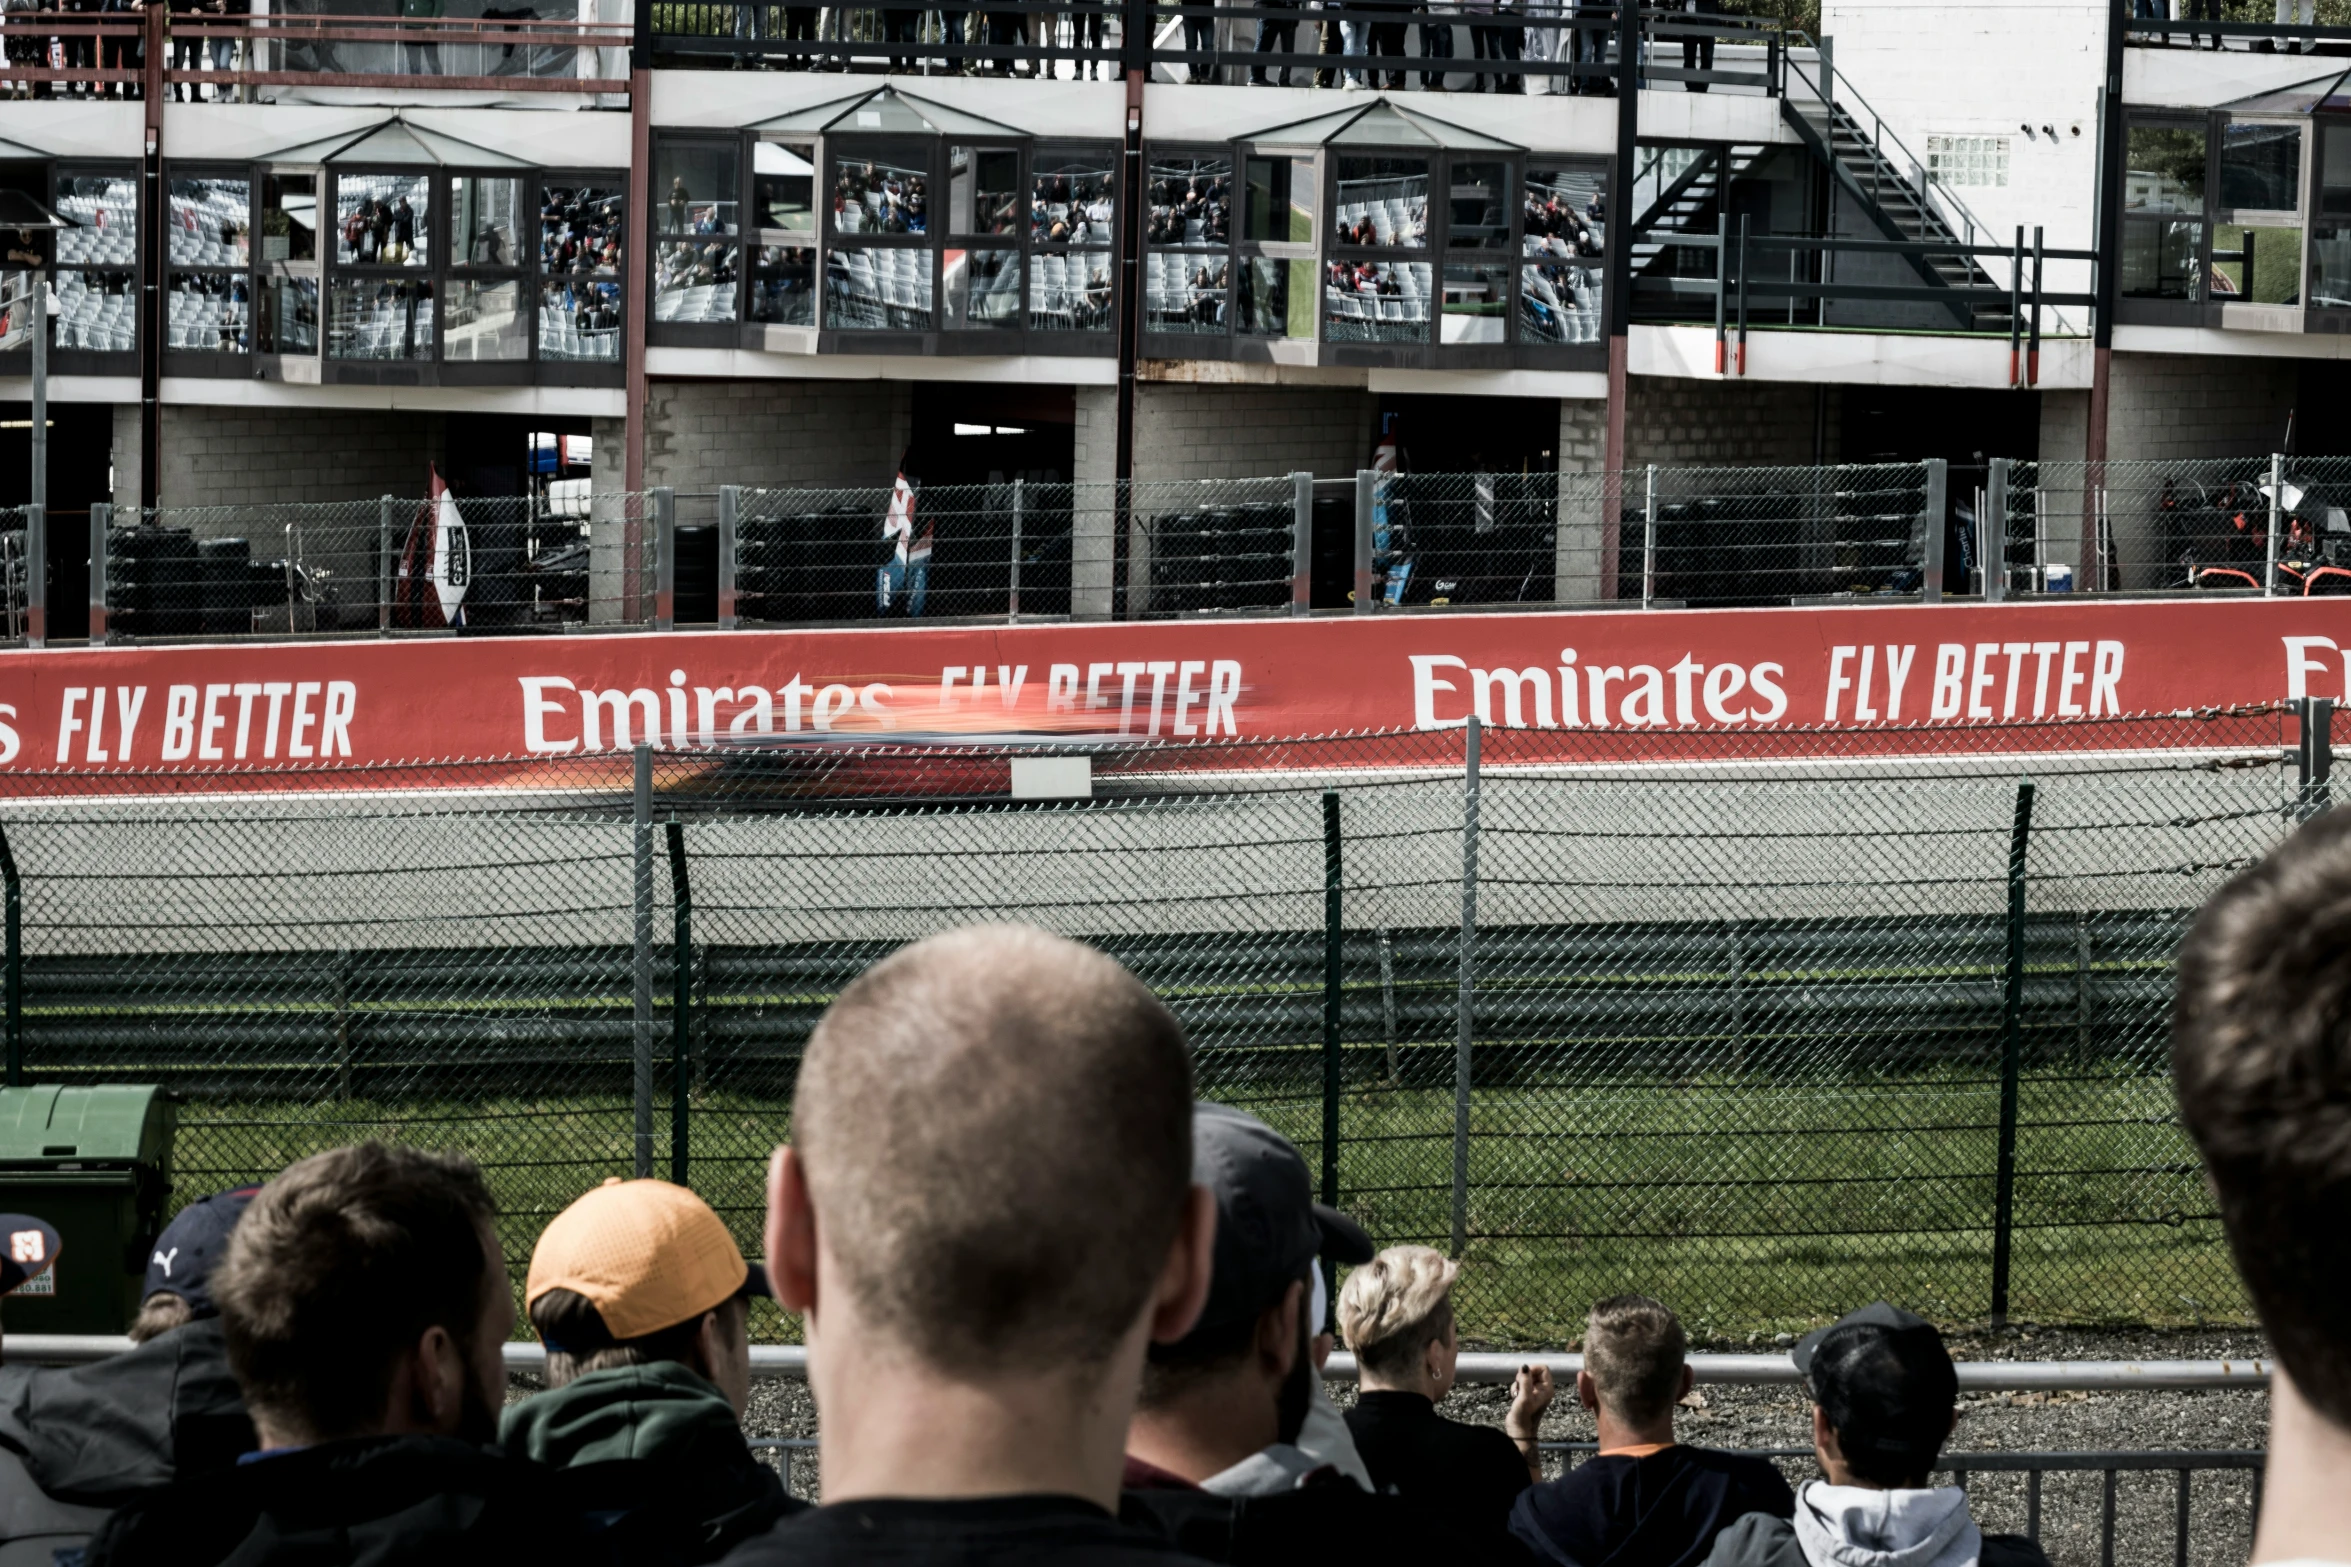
(643, 1301)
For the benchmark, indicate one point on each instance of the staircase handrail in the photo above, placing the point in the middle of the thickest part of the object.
(1831, 93)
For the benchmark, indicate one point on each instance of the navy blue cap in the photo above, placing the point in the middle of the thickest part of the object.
(192, 1245)
(1269, 1228)
(27, 1247)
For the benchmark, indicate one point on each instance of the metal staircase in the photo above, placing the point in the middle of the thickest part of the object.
(1688, 203)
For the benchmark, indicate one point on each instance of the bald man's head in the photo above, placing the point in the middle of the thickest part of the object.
(996, 1125)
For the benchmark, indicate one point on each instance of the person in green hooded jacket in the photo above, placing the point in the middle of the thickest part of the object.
(642, 1300)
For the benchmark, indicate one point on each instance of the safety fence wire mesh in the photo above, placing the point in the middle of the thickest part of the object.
(15, 568)
(1734, 1012)
(1743, 536)
(1467, 538)
(1211, 546)
(2195, 523)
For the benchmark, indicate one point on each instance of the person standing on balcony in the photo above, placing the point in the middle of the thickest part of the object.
(2293, 13)
(124, 50)
(224, 44)
(1384, 35)
(26, 50)
(421, 54)
(1542, 44)
(1697, 48)
(1436, 42)
(1275, 35)
(187, 49)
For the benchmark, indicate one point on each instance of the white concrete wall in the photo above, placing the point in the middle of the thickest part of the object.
(1988, 68)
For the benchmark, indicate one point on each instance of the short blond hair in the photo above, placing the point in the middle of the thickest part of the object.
(1635, 1350)
(1396, 1305)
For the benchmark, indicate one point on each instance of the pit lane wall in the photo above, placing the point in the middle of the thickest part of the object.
(1711, 677)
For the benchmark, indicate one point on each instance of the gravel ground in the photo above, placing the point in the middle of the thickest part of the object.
(1761, 1418)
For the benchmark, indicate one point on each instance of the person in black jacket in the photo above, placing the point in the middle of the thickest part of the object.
(365, 1306)
(1397, 1315)
(1644, 1497)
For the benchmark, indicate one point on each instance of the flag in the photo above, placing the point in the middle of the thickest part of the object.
(438, 555)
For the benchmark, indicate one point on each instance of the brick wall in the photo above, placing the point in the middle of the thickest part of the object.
(1583, 456)
(255, 456)
(1233, 432)
(701, 434)
(2168, 406)
(1094, 523)
(1676, 423)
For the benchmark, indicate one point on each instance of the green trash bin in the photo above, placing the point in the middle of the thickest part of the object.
(96, 1164)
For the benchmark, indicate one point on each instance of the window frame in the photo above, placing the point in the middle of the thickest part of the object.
(578, 372)
(215, 362)
(98, 361)
(1216, 344)
(693, 334)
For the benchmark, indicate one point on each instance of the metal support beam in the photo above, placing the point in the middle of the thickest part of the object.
(36, 575)
(1936, 522)
(1994, 527)
(2011, 1056)
(730, 523)
(665, 558)
(681, 1038)
(1301, 543)
(1334, 947)
(1465, 1004)
(1365, 480)
(643, 1075)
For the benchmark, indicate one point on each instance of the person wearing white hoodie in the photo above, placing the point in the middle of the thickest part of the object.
(1884, 1397)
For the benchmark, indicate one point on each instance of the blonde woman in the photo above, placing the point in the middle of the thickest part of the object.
(1397, 1314)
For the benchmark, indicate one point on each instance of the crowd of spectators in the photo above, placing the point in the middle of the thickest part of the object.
(880, 198)
(1191, 210)
(1058, 1312)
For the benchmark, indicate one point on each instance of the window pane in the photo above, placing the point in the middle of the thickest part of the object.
(2334, 172)
(106, 206)
(881, 196)
(97, 311)
(1376, 302)
(379, 318)
(983, 289)
(694, 281)
(2261, 167)
(1477, 299)
(580, 228)
(289, 316)
(884, 289)
(1558, 303)
(488, 322)
(2276, 265)
(207, 313)
(485, 223)
(1280, 201)
(1069, 291)
(783, 186)
(1070, 196)
(579, 320)
(1480, 207)
(1277, 298)
(697, 181)
(382, 219)
(210, 222)
(2159, 258)
(1565, 212)
(1383, 202)
(983, 190)
(289, 217)
(2165, 170)
(1191, 199)
(2330, 266)
(783, 285)
(1185, 293)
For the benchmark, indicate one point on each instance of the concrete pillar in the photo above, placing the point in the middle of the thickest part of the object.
(1583, 443)
(124, 454)
(608, 528)
(1094, 510)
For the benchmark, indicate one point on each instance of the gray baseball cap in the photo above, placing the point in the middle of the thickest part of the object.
(1269, 1228)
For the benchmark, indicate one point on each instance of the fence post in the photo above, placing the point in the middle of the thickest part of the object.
(2277, 505)
(1301, 543)
(1012, 598)
(730, 522)
(1935, 525)
(1649, 543)
(665, 559)
(2011, 1056)
(1365, 478)
(36, 575)
(643, 1075)
(681, 957)
(101, 525)
(1333, 998)
(1995, 532)
(383, 565)
(1467, 999)
(2314, 754)
(12, 889)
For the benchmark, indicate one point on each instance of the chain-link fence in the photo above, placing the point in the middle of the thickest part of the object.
(2274, 523)
(1718, 537)
(1730, 1028)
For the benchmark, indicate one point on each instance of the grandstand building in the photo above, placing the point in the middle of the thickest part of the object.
(317, 248)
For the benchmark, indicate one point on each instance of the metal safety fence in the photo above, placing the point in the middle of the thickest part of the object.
(1765, 1025)
(1660, 537)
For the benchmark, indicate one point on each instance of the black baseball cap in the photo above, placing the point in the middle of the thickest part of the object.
(1886, 1382)
(28, 1246)
(192, 1245)
(1269, 1228)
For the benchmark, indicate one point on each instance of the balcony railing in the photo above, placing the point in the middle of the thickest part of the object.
(2226, 24)
(1560, 46)
(115, 55)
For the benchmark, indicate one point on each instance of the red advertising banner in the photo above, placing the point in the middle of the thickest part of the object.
(1742, 672)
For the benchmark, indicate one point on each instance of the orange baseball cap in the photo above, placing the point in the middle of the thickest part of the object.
(647, 1255)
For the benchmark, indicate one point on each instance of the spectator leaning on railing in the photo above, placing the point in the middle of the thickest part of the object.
(1643, 1497)
(985, 1215)
(1884, 1398)
(2261, 1056)
(643, 1302)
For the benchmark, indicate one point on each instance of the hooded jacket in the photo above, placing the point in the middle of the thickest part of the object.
(658, 1441)
(1853, 1526)
(77, 1442)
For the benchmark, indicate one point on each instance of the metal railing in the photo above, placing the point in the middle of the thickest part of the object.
(1563, 46)
(2225, 24)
